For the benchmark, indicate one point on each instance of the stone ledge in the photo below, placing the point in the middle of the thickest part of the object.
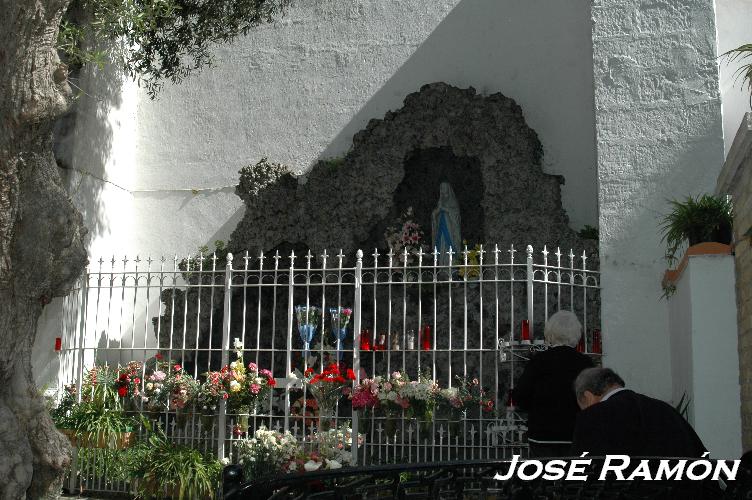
(672, 276)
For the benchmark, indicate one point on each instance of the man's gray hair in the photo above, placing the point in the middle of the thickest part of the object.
(563, 328)
(596, 380)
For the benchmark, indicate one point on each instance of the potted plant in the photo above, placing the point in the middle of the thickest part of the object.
(706, 218)
(159, 469)
(90, 425)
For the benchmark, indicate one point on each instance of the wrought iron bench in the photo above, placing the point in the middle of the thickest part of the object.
(467, 480)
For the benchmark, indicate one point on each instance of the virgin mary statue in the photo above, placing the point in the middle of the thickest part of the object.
(445, 224)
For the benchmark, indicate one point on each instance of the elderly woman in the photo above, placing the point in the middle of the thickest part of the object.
(546, 388)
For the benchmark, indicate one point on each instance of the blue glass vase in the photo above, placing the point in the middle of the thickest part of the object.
(306, 332)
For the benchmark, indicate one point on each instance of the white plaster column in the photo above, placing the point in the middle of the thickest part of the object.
(659, 136)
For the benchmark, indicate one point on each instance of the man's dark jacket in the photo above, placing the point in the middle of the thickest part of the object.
(632, 424)
(545, 390)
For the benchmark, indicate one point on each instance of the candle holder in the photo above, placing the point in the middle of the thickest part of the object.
(425, 338)
(597, 342)
(365, 340)
(525, 333)
(410, 340)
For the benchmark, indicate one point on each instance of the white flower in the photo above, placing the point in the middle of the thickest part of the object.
(311, 466)
(225, 461)
(237, 344)
(333, 464)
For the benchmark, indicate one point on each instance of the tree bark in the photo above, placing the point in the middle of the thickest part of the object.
(41, 238)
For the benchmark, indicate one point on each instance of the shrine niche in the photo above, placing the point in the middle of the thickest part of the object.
(479, 144)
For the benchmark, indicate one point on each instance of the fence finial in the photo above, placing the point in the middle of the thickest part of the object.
(359, 254)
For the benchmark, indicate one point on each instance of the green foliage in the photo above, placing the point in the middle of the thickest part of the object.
(255, 178)
(157, 40)
(588, 232)
(333, 163)
(743, 54)
(700, 219)
(165, 469)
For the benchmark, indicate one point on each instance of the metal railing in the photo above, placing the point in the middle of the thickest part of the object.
(485, 310)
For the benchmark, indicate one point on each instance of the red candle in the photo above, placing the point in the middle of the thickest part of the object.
(365, 340)
(510, 399)
(426, 338)
(58, 344)
(597, 346)
(525, 335)
(581, 345)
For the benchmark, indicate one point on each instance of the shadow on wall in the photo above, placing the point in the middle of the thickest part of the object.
(84, 142)
(541, 58)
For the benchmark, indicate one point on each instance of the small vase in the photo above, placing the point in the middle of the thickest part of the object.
(364, 421)
(244, 413)
(181, 417)
(326, 415)
(390, 423)
(207, 422)
(340, 335)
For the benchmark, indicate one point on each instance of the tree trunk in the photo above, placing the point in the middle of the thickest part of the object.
(41, 238)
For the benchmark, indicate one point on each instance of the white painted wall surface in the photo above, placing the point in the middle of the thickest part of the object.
(734, 26)
(659, 136)
(704, 352)
(299, 89)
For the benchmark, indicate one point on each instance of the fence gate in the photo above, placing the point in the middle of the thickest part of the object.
(478, 315)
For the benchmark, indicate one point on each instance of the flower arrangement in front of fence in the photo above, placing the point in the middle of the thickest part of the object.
(471, 393)
(181, 387)
(421, 394)
(243, 386)
(405, 237)
(307, 408)
(272, 452)
(327, 387)
(267, 452)
(128, 381)
(156, 394)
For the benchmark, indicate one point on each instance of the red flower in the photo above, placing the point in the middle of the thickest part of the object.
(178, 368)
(350, 374)
(158, 357)
(308, 371)
(122, 391)
(136, 380)
(271, 382)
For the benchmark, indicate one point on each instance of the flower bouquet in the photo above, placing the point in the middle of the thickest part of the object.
(309, 318)
(181, 387)
(128, 383)
(327, 388)
(207, 399)
(156, 395)
(452, 403)
(340, 320)
(404, 238)
(246, 386)
(421, 394)
(267, 452)
(365, 399)
(391, 401)
(331, 450)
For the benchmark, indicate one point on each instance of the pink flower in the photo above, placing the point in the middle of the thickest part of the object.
(387, 386)
(253, 367)
(255, 388)
(266, 373)
(475, 381)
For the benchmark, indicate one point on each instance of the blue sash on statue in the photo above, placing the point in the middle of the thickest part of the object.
(443, 233)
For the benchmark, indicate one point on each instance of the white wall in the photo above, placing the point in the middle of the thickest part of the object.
(299, 89)
(659, 136)
(734, 26)
(704, 352)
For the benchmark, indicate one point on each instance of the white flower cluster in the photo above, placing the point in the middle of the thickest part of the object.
(334, 445)
(267, 446)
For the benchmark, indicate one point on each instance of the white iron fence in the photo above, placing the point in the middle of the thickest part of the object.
(477, 315)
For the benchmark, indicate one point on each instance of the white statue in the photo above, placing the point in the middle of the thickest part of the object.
(445, 224)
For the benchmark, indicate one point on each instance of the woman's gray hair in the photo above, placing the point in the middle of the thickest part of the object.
(596, 380)
(563, 328)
